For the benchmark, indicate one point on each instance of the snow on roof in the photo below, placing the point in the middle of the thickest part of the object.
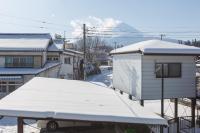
(73, 100)
(73, 51)
(58, 45)
(54, 48)
(158, 47)
(23, 44)
(25, 36)
(26, 71)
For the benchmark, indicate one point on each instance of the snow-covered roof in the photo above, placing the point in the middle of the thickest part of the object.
(26, 71)
(58, 45)
(23, 44)
(73, 100)
(24, 41)
(158, 47)
(25, 36)
(54, 48)
(73, 51)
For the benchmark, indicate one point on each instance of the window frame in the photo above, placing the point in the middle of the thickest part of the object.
(66, 61)
(19, 61)
(168, 71)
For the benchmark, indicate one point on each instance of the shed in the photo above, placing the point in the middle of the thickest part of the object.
(137, 69)
(60, 99)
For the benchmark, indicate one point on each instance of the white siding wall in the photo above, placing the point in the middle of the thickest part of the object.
(66, 70)
(50, 73)
(127, 73)
(173, 87)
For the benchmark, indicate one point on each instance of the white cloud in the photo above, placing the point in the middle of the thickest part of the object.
(91, 21)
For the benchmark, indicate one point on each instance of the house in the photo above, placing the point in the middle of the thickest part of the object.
(26, 55)
(71, 60)
(140, 68)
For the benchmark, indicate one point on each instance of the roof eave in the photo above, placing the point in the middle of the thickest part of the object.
(173, 54)
(127, 52)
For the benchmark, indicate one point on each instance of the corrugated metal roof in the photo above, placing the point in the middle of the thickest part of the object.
(74, 100)
(26, 71)
(10, 77)
(25, 36)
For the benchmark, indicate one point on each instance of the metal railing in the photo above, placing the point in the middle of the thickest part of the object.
(182, 125)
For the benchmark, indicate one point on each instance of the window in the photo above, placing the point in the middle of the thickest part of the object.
(170, 70)
(67, 60)
(52, 58)
(19, 61)
(174, 70)
(55, 58)
(3, 87)
(11, 88)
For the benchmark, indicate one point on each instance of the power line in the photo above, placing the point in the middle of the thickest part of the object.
(32, 26)
(33, 20)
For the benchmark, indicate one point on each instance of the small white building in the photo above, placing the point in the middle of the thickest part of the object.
(137, 69)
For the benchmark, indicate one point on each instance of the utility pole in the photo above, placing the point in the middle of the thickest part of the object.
(84, 50)
(64, 35)
(115, 45)
(161, 36)
(64, 39)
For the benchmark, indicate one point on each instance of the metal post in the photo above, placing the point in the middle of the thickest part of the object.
(193, 104)
(175, 107)
(20, 125)
(130, 97)
(162, 96)
(162, 92)
(84, 49)
(176, 113)
(142, 102)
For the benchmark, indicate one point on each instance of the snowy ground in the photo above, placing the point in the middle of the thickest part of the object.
(9, 125)
(104, 79)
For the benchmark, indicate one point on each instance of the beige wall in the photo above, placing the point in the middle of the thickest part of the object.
(51, 73)
(44, 58)
(37, 61)
(2, 61)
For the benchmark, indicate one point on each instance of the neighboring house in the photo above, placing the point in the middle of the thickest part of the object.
(137, 69)
(70, 60)
(26, 55)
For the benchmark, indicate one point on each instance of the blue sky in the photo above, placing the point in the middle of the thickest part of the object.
(144, 15)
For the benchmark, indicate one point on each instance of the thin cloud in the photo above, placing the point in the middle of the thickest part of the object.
(91, 21)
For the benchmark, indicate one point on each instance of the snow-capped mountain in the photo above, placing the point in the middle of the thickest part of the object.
(124, 34)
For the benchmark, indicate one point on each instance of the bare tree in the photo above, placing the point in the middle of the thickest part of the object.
(93, 47)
